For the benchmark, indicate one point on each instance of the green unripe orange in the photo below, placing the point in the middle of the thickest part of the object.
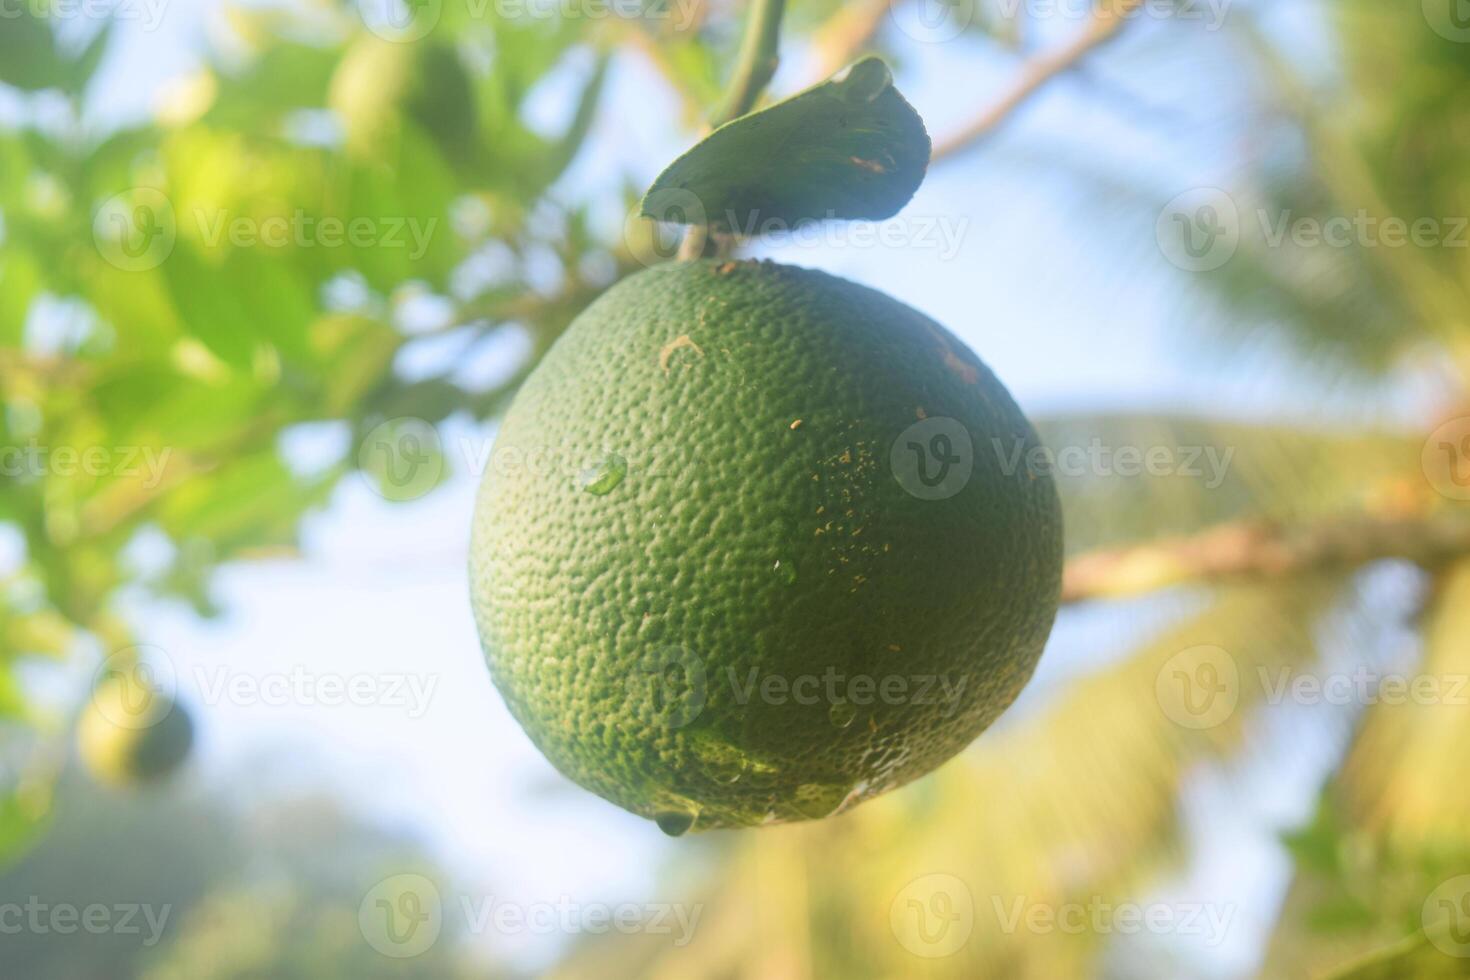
(131, 733)
(756, 544)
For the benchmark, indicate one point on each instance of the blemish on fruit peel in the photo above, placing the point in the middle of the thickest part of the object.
(678, 343)
(966, 372)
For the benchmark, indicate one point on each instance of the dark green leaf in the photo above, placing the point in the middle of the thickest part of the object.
(850, 147)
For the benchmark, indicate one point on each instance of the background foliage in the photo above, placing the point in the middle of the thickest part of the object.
(208, 352)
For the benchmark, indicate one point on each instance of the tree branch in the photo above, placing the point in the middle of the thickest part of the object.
(1106, 22)
(756, 63)
(845, 33)
(1258, 550)
(754, 67)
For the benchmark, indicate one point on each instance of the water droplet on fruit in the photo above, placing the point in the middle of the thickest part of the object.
(606, 474)
(785, 571)
(817, 800)
(841, 714)
(724, 762)
(675, 823)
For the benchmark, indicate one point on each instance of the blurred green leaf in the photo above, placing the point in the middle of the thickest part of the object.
(29, 58)
(1414, 957)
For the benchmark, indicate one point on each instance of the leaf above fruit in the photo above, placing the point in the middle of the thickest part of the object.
(849, 148)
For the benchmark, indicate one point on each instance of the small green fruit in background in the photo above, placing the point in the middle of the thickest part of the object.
(132, 733)
(756, 544)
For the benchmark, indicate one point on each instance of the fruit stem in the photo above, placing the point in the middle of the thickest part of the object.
(754, 67)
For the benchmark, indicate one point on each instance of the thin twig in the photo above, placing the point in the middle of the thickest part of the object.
(755, 65)
(844, 34)
(1257, 550)
(1105, 24)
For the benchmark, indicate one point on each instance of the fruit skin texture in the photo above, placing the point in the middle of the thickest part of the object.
(131, 734)
(691, 641)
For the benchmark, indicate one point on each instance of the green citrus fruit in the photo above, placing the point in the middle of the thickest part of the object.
(756, 544)
(132, 733)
